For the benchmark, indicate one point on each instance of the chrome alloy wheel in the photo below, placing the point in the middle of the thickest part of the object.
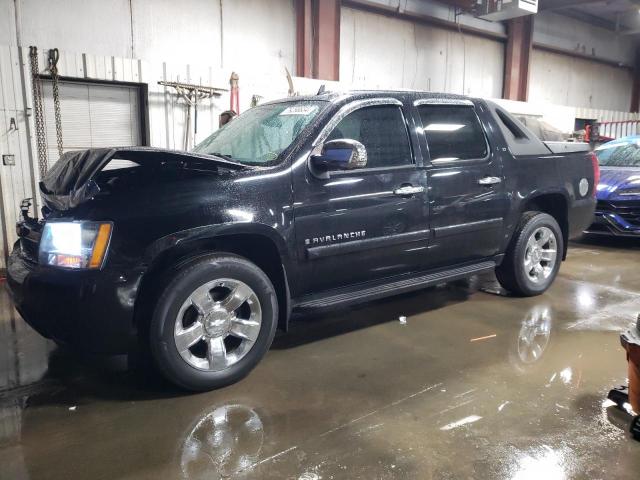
(541, 255)
(218, 324)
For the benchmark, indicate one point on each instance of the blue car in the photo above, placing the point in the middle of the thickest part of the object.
(618, 193)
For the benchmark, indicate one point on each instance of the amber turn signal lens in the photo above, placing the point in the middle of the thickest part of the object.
(100, 247)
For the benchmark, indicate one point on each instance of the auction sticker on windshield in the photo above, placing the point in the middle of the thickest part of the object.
(300, 110)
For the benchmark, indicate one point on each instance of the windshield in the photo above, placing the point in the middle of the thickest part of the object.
(620, 154)
(260, 135)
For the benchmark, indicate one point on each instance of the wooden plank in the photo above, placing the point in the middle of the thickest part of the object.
(7, 100)
(6, 182)
(4, 205)
(19, 142)
(29, 142)
(91, 69)
(127, 70)
(150, 73)
(98, 69)
(118, 69)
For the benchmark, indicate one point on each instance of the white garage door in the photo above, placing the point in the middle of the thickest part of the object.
(93, 115)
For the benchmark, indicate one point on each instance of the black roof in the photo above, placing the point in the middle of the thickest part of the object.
(331, 96)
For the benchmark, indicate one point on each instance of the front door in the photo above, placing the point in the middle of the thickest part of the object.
(368, 223)
(468, 199)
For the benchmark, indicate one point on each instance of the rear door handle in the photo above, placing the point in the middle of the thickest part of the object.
(489, 180)
(408, 190)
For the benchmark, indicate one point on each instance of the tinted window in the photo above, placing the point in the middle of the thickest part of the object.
(382, 131)
(453, 132)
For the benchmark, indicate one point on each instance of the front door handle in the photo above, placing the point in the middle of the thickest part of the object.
(408, 190)
(489, 180)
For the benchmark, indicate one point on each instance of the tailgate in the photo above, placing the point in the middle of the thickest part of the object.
(567, 147)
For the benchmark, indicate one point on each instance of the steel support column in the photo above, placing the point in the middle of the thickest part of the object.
(304, 38)
(518, 58)
(635, 92)
(318, 39)
(326, 45)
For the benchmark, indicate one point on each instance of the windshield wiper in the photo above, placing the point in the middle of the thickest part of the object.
(229, 158)
(222, 155)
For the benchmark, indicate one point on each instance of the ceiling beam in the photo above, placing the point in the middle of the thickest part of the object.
(463, 4)
(560, 4)
(374, 7)
(590, 19)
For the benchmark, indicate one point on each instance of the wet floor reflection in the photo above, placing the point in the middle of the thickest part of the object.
(534, 335)
(228, 440)
(23, 353)
(475, 384)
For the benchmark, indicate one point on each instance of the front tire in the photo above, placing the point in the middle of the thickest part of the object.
(533, 259)
(213, 322)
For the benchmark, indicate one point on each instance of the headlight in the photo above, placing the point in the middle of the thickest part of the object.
(74, 245)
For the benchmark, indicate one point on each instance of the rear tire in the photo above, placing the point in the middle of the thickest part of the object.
(533, 258)
(213, 322)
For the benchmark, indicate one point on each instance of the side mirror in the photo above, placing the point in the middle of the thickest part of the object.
(341, 154)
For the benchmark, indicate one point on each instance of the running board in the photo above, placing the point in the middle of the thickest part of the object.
(381, 290)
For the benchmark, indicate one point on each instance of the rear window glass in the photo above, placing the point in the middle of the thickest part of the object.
(453, 132)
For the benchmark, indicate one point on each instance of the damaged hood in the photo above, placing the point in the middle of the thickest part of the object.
(71, 179)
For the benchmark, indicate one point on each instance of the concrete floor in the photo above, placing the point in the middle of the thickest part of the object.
(475, 385)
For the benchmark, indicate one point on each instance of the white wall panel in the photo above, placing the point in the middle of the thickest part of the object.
(565, 80)
(187, 31)
(253, 34)
(7, 23)
(382, 52)
(102, 28)
(569, 34)
(259, 35)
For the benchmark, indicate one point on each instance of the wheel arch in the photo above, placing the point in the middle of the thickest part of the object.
(169, 253)
(555, 204)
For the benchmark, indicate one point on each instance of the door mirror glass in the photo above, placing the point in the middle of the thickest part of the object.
(340, 154)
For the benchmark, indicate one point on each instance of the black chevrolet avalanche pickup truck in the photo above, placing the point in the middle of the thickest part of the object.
(301, 204)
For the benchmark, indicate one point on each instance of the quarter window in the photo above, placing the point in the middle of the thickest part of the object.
(382, 131)
(453, 132)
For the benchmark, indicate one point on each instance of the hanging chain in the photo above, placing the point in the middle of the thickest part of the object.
(38, 110)
(54, 55)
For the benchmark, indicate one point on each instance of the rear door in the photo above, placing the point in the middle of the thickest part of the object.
(369, 223)
(468, 201)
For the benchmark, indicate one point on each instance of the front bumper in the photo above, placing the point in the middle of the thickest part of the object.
(91, 310)
(610, 223)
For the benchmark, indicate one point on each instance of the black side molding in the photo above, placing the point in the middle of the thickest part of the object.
(355, 245)
(440, 232)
